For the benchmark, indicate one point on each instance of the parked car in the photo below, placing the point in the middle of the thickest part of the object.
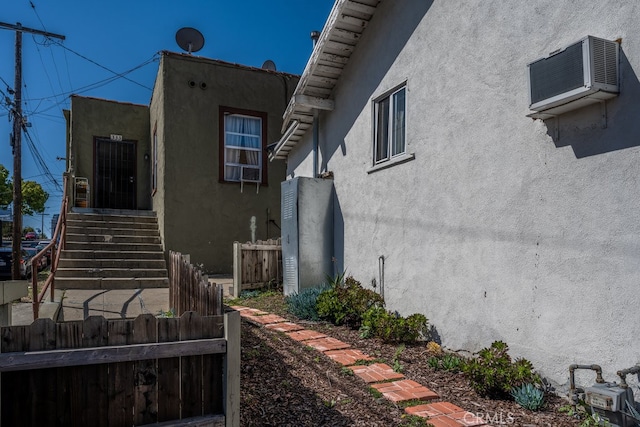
(42, 262)
(47, 256)
(6, 260)
(31, 235)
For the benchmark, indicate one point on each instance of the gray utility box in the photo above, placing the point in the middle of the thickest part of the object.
(307, 232)
(610, 401)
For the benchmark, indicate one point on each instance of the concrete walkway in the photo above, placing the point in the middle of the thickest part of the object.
(78, 304)
(392, 385)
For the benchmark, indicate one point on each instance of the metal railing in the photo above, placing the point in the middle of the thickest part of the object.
(56, 246)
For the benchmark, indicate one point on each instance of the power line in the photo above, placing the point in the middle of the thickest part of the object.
(99, 65)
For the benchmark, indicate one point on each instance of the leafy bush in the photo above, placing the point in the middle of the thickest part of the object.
(528, 396)
(370, 320)
(391, 327)
(493, 374)
(346, 303)
(303, 305)
(450, 362)
(394, 328)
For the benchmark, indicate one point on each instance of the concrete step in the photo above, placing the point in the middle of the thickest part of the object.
(111, 283)
(82, 229)
(121, 247)
(93, 254)
(79, 238)
(123, 262)
(112, 224)
(110, 272)
(112, 218)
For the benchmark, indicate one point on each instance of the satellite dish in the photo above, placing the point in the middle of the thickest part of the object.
(189, 39)
(269, 65)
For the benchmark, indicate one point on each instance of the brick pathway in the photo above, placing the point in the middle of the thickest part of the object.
(393, 385)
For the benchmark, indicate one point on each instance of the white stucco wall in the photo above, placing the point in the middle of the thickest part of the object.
(494, 231)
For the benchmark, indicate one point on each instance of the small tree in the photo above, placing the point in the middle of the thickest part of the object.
(33, 196)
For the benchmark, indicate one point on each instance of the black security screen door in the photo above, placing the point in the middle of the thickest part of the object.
(115, 179)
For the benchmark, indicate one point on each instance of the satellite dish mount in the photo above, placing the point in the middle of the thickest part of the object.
(189, 39)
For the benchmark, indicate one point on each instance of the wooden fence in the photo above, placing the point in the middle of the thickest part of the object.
(256, 265)
(190, 290)
(113, 373)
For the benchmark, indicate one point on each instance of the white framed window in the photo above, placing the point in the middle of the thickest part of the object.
(390, 125)
(243, 147)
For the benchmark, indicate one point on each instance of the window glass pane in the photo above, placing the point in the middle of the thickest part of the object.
(398, 118)
(382, 130)
(232, 173)
(243, 146)
(242, 131)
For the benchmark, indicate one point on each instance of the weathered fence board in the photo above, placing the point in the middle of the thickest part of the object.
(132, 372)
(255, 265)
(190, 290)
(168, 373)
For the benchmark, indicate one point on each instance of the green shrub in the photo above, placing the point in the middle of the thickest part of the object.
(370, 321)
(346, 302)
(303, 305)
(450, 362)
(528, 396)
(392, 327)
(493, 374)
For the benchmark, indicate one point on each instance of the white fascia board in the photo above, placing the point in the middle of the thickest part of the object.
(314, 102)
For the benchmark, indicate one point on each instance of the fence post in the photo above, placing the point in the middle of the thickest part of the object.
(232, 369)
(237, 269)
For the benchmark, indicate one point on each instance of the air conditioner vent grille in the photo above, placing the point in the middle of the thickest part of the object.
(604, 62)
(557, 74)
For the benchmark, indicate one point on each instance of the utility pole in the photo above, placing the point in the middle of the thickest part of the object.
(16, 143)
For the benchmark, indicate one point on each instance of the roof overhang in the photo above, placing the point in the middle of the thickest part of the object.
(340, 35)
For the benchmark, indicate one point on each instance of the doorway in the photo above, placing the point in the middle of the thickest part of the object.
(115, 174)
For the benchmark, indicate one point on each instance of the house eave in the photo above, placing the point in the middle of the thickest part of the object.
(338, 40)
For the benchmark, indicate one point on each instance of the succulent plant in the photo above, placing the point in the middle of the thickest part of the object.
(528, 396)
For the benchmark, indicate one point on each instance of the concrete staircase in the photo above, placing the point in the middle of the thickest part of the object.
(110, 249)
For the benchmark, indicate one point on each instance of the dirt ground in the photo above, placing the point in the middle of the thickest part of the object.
(284, 383)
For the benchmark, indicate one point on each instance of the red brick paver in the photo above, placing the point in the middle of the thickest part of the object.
(305, 335)
(401, 391)
(325, 344)
(445, 414)
(347, 356)
(376, 373)
(250, 312)
(266, 319)
(284, 327)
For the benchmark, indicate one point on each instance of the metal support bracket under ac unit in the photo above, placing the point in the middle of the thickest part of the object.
(556, 132)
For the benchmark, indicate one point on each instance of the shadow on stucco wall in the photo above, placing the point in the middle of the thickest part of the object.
(338, 235)
(382, 53)
(582, 129)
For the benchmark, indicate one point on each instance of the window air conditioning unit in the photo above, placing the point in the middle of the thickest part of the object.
(583, 73)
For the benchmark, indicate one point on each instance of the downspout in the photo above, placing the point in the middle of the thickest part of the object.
(316, 123)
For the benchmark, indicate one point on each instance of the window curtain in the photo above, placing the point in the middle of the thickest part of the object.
(241, 133)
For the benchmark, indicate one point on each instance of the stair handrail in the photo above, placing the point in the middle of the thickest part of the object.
(56, 245)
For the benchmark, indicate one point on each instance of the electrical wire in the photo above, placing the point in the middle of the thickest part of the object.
(40, 163)
(56, 42)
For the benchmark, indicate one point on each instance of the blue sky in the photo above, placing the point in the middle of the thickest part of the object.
(119, 36)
